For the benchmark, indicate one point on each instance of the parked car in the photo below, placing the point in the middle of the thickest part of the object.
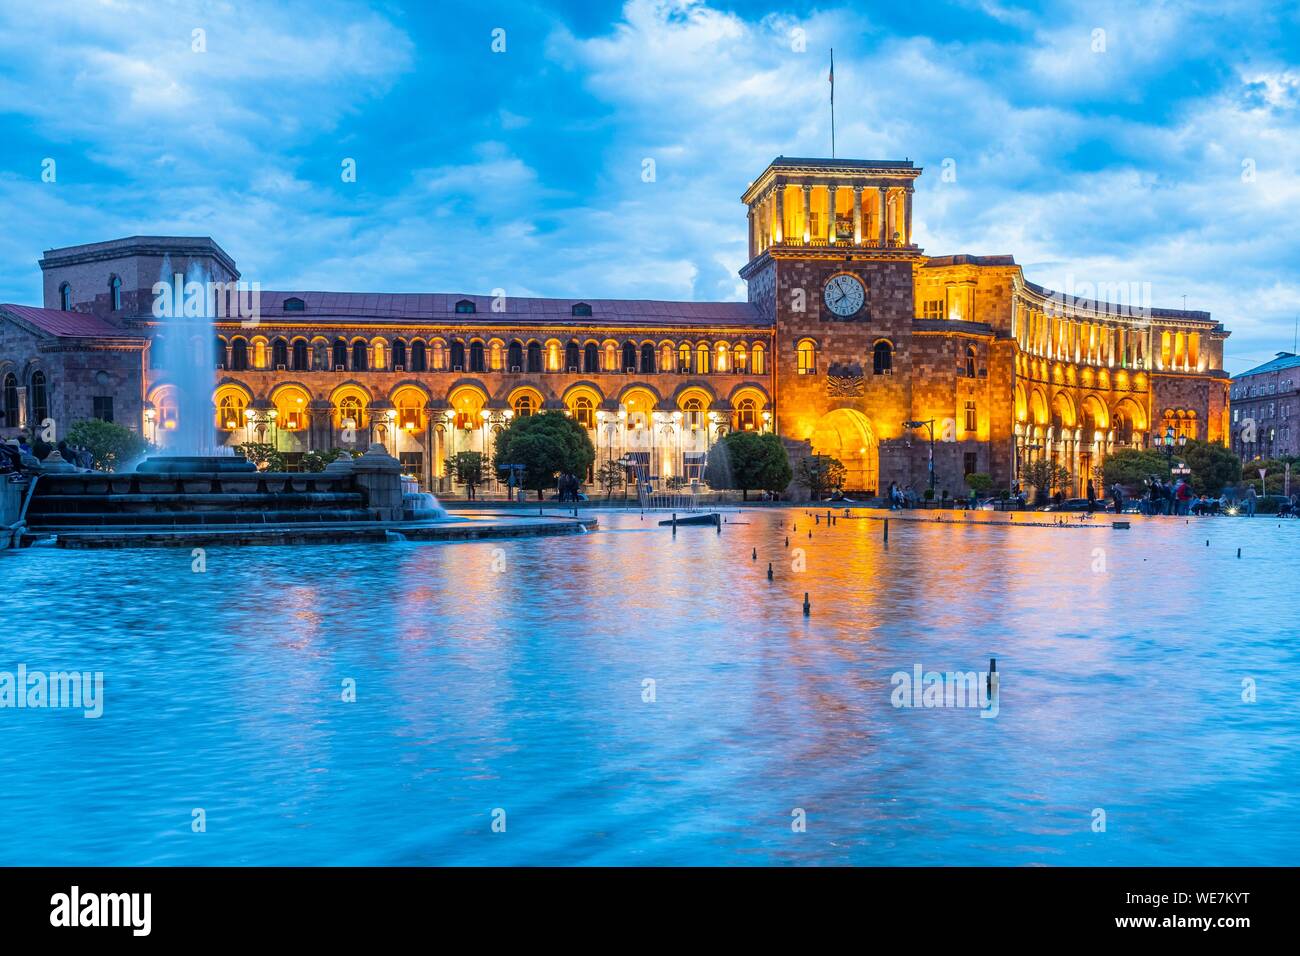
(581, 496)
(1073, 504)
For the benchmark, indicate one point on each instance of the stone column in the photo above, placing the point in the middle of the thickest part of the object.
(753, 233)
(883, 235)
(780, 213)
(807, 214)
(857, 215)
(319, 412)
(907, 216)
(830, 214)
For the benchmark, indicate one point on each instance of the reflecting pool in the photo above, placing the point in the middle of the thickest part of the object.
(513, 676)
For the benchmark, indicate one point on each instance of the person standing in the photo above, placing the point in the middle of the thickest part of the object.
(1250, 501)
(1117, 496)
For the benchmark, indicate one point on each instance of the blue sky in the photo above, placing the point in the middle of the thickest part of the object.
(522, 170)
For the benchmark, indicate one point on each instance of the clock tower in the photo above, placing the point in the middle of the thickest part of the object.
(832, 266)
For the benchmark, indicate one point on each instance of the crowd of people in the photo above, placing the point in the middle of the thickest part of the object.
(23, 454)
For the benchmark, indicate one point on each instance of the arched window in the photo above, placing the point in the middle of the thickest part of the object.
(410, 404)
(115, 293)
(515, 356)
(806, 357)
(683, 358)
(340, 354)
(259, 353)
(419, 357)
(746, 418)
(629, 357)
(722, 357)
(359, 357)
(524, 405)
(350, 412)
(702, 359)
(970, 361)
(399, 354)
(494, 356)
(65, 297)
(230, 411)
(694, 412)
(882, 359)
(457, 355)
(584, 412)
(758, 360)
(571, 362)
(221, 353)
(647, 358)
(476, 362)
(156, 352)
(379, 355)
(740, 357)
(300, 362)
(239, 355)
(666, 357)
(611, 357)
(439, 355)
(590, 358)
(11, 400)
(280, 354)
(534, 356)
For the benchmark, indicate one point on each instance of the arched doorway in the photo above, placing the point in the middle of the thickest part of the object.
(846, 434)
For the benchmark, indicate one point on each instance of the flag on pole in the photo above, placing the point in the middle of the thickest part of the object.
(831, 78)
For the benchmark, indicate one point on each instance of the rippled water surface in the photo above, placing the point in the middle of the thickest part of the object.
(514, 679)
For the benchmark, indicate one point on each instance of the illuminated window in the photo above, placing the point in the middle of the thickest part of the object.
(350, 412)
(758, 360)
(702, 362)
(741, 358)
(230, 410)
(410, 404)
(806, 357)
(694, 412)
(380, 355)
(524, 405)
(970, 361)
(970, 416)
(746, 418)
(584, 412)
(722, 361)
(683, 358)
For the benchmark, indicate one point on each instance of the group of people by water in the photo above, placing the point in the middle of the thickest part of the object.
(22, 454)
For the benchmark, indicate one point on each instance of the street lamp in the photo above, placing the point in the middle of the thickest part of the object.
(929, 423)
(1170, 441)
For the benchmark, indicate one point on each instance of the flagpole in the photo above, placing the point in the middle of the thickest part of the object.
(832, 102)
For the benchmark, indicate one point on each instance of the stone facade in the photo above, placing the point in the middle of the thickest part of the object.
(853, 343)
(1266, 409)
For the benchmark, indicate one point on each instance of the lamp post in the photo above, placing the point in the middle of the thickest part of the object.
(1170, 441)
(929, 423)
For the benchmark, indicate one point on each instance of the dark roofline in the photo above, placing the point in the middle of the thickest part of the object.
(189, 246)
(1283, 360)
(846, 163)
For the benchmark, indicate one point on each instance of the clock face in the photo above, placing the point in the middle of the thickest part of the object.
(844, 294)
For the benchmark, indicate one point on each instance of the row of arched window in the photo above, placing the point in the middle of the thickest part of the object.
(38, 400)
(240, 355)
(882, 358)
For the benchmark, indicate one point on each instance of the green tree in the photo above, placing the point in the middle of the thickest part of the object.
(466, 467)
(748, 461)
(610, 475)
(820, 474)
(318, 460)
(262, 454)
(1131, 466)
(979, 482)
(110, 445)
(1213, 466)
(1046, 477)
(546, 445)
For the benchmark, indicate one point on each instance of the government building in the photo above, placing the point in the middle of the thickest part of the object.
(853, 343)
